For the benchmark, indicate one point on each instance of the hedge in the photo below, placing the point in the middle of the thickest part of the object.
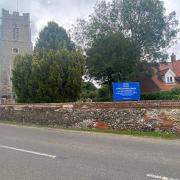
(170, 95)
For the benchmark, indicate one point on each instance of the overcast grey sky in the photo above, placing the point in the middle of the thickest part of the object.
(65, 12)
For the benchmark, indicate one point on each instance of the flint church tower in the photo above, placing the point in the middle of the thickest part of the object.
(15, 38)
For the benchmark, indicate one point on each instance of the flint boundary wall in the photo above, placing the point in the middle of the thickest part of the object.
(142, 115)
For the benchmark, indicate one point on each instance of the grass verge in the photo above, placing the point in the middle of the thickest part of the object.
(164, 135)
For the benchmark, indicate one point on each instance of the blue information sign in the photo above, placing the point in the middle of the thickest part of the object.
(126, 91)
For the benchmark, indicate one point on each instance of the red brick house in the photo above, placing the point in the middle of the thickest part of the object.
(166, 79)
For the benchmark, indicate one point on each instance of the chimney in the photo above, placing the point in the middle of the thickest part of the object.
(173, 58)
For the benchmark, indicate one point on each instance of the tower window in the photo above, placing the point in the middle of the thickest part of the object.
(15, 50)
(16, 33)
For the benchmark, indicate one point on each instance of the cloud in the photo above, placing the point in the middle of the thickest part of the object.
(174, 5)
(65, 12)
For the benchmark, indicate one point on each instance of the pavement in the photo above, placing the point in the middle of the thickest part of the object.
(51, 154)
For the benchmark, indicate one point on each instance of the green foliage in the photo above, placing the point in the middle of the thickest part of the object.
(144, 21)
(168, 95)
(89, 91)
(175, 91)
(110, 57)
(103, 94)
(164, 135)
(22, 76)
(149, 26)
(114, 58)
(124, 38)
(57, 76)
(53, 37)
(53, 73)
(156, 96)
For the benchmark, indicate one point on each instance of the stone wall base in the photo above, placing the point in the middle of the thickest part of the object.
(141, 116)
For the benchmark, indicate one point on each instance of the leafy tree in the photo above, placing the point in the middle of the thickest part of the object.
(124, 38)
(114, 58)
(149, 26)
(143, 21)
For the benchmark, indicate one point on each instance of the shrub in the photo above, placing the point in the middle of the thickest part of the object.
(171, 95)
(103, 94)
(175, 91)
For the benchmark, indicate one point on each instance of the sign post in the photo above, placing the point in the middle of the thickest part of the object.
(126, 91)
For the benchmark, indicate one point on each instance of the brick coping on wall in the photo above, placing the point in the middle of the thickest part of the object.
(100, 105)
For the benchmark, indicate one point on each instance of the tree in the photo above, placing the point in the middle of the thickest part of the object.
(123, 39)
(114, 58)
(143, 21)
(57, 76)
(21, 77)
(103, 94)
(53, 37)
(53, 73)
(89, 91)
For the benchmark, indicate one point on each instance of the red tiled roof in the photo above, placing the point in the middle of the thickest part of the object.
(163, 72)
(162, 85)
(157, 84)
(175, 67)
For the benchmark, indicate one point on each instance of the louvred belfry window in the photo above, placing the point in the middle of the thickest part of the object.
(16, 32)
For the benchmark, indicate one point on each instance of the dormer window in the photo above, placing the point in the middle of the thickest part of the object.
(170, 79)
(168, 76)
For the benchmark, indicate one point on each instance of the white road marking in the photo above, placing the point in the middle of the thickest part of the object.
(27, 151)
(159, 177)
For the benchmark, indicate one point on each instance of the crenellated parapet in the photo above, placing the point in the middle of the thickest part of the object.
(7, 14)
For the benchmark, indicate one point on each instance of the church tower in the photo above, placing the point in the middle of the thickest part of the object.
(15, 38)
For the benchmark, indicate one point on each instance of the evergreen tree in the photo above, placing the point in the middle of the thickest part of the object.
(53, 37)
(54, 72)
(22, 78)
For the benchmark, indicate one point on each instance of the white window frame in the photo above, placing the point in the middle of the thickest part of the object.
(171, 79)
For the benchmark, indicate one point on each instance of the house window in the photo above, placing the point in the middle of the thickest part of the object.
(170, 79)
(15, 50)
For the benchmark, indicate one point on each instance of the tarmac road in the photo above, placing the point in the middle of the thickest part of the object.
(52, 154)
